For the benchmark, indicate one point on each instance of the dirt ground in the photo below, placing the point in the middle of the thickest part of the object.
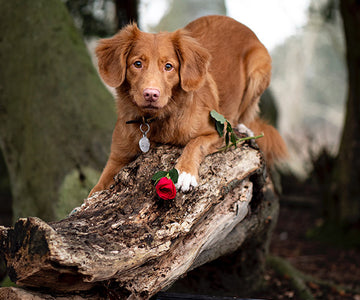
(338, 265)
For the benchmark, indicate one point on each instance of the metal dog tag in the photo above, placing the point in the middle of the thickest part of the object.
(144, 142)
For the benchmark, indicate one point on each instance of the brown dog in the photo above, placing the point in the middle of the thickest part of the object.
(171, 81)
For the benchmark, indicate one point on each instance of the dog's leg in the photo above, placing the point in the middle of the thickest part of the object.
(193, 154)
(123, 151)
(113, 166)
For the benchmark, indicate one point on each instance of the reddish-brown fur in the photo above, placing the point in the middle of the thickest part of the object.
(218, 64)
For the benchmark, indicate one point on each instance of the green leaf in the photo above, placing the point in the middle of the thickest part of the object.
(219, 122)
(174, 175)
(158, 175)
(219, 128)
(241, 140)
(229, 127)
(227, 138)
(233, 139)
(218, 117)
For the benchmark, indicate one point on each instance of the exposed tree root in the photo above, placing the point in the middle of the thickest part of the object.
(300, 280)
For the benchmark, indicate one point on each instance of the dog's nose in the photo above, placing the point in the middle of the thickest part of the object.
(151, 95)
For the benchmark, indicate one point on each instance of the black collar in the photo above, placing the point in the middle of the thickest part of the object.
(142, 120)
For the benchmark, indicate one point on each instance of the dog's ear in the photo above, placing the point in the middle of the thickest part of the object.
(112, 54)
(194, 60)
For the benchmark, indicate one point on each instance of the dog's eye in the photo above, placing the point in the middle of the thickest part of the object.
(168, 67)
(138, 64)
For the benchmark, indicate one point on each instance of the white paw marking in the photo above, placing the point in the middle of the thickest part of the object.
(243, 129)
(185, 182)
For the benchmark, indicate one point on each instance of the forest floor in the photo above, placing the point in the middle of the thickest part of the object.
(324, 261)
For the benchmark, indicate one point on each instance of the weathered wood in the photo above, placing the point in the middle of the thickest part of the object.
(14, 293)
(128, 242)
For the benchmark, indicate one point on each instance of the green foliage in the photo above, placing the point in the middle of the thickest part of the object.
(347, 236)
(219, 122)
(157, 176)
(92, 17)
(217, 117)
(74, 189)
(7, 282)
(231, 138)
(173, 174)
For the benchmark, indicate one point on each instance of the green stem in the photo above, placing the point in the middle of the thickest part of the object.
(241, 140)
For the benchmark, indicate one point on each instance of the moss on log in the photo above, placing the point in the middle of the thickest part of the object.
(50, 98)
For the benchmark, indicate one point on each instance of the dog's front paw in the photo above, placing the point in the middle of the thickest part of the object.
(185, 182)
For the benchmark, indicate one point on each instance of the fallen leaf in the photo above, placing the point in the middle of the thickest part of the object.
(313, 285)
(290, 294)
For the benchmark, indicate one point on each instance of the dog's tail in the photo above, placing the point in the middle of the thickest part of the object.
(271, 144)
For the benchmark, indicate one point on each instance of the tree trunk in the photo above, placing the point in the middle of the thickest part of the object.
(126, 12)
(56, 116)
(129, 244)
(345, 207)
(180, 13)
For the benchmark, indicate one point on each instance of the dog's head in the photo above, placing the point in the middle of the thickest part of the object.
(152, 65)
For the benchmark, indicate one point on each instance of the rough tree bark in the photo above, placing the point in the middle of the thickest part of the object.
(127, 11)
(344, 208)
(128, 243)
(53, 134)
(183, 12)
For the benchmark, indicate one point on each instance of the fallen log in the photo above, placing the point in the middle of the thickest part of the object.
(127, 243)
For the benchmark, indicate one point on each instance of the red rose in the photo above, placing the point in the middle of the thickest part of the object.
(165, 188)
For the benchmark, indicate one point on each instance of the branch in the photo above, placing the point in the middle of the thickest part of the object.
(129, 242)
